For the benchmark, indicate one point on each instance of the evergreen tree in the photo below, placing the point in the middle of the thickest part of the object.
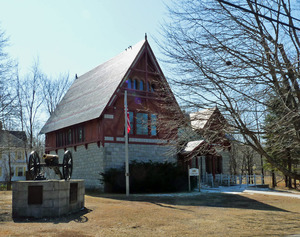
(281, 138)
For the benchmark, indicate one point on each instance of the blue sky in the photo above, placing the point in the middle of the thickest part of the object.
(77, 35)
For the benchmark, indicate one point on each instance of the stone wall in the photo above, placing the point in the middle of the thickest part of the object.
(115, 154)
(89, 162)
(47, 198)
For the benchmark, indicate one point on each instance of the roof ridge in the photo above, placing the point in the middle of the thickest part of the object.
(79, 103)
(114, 57)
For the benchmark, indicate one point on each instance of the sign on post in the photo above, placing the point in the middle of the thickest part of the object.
(194, 172)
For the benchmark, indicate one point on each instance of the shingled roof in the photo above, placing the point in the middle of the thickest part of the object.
(200, 119)
(89, 94)
(12, 138)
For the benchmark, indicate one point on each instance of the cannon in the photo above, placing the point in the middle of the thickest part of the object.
(50, 161)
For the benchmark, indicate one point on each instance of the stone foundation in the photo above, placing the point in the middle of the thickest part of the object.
(47, 198)
(89, 161)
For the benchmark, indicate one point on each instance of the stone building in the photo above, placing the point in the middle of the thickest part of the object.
(89, 121)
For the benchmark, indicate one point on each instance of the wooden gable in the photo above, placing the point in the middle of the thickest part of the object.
(149, 96)
(147, 91)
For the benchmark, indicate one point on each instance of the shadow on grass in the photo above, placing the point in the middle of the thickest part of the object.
(77, 217)
(221, 200)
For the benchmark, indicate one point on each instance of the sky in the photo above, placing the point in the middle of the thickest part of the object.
(74, 36)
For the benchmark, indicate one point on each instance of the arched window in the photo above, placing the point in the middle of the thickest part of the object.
(152, 88)
(141, 85)
(129, 84)
(135, 84)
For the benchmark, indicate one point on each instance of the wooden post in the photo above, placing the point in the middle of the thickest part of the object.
(241, 180)
(201, 168)
(213, 167)
(221, 179)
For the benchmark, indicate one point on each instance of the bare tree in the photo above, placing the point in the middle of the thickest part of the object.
(7, 73)
(235, 55)
(30, 97)
(54, 90)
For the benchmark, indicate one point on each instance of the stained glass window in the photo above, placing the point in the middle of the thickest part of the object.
(141, 124)
(153, 124)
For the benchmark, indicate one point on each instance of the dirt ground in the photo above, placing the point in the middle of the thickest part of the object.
(203, 214)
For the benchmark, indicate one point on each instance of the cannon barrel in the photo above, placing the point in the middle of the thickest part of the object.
(50, 159)
(49, 156)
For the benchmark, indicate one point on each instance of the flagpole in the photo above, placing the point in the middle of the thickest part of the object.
(126, 145)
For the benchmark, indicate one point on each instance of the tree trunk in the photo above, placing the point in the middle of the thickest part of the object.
(8, 187)
(289, 168)
(273, 179)
(262, 169)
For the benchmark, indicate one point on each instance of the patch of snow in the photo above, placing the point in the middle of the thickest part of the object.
(275, 193)
(252, 190)
(225, 189)
(187, 194)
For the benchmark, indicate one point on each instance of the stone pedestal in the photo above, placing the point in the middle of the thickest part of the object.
(47, 198)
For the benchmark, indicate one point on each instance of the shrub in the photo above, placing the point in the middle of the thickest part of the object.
(3, 186)
(147, 177)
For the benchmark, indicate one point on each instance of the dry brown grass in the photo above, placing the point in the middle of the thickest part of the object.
(280, 182)
(201, 215)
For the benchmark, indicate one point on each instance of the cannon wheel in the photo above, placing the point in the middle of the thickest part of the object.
(67, 165)
(34, 164)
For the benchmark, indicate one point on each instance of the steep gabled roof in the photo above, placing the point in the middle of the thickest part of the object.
(89, 94)
(19, 134)
(12, 138)
(192, 145)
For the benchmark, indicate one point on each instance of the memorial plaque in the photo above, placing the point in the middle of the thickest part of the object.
(35, 195)
(73, 192)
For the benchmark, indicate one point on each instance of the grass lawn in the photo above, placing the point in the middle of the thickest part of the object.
(203, 214)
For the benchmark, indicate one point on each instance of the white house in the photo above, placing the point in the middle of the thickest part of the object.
(12, 155)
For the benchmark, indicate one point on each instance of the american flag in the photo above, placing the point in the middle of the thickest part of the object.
(128, 122)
